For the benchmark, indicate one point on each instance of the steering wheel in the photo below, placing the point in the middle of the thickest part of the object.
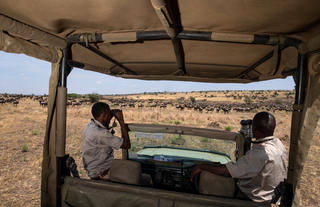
(196, 180)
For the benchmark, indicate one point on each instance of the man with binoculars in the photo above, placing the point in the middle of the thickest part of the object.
(98, 142)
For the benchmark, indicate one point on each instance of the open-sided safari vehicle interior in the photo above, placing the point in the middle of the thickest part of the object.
(159, 166)
(233, 41)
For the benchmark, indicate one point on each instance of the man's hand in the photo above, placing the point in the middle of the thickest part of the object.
(118, 115)
(124, 131)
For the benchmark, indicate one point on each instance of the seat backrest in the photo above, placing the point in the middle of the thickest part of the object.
(125, 171)
(212, 184)
(84, 193)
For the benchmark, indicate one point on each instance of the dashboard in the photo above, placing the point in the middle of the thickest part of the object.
(169, 175)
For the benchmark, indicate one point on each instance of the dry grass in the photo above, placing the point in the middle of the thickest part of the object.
(20, 172)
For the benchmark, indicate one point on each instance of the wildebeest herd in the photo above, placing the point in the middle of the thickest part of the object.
(181, 103)
(204, 106)
(13, 99)
(43, 100)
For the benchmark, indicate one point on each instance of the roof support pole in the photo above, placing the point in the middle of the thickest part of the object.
(61, 110)
(178, 50)
(295, 127)
(101, 54)
(238, 38)
(169, 15)
(259, 62)
(301, 79)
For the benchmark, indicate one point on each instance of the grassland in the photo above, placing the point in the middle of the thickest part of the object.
(22, 129)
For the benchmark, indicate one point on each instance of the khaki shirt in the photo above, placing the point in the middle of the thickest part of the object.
(97, 148)
(261, 169)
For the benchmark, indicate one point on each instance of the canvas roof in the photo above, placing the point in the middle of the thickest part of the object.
(215, 60)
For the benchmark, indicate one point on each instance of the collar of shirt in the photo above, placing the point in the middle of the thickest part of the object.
(262, 140)
(98, 123)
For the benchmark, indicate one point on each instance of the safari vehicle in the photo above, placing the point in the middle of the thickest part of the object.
(205, 41)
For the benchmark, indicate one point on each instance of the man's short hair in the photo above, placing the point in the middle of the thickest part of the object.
(99, 108)
(265, 122)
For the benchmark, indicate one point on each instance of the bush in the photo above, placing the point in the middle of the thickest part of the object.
(178, 141)
(35, 133)
(278, 101)
(174, 122)
(26, 118)
(133, 147)
(205, 139)
(24, 148)
(192, 99)
(228, 128)
(247, 100)
(94, 97)
(173, 141)
(180, 99)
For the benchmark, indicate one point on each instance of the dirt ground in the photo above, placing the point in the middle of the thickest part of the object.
(22, 129)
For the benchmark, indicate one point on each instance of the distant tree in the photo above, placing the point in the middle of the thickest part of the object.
(74, 95)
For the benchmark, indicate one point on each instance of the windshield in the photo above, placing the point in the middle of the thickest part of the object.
(175, 147)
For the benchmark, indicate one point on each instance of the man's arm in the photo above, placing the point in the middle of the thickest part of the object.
(124, 131)
(218, 169)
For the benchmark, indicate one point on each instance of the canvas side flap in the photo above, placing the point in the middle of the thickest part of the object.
(12, 44)
(308, 123)
(29, 33)
(48, 175)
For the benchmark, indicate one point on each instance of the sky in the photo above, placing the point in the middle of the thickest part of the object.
(21, 74)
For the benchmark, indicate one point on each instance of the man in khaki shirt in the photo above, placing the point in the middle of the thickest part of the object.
(98, 143)
(262, 168)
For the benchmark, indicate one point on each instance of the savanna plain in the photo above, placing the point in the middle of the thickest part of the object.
(22, 129)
